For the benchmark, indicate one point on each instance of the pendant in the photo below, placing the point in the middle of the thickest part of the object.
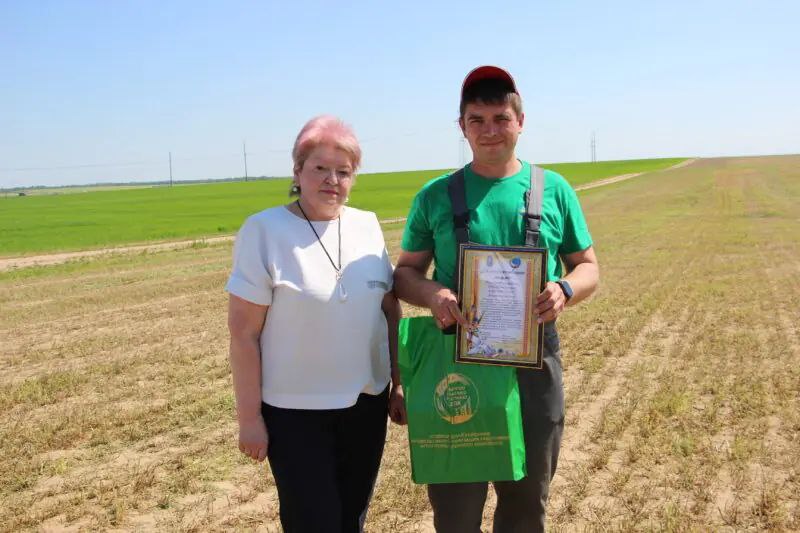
(340, 287)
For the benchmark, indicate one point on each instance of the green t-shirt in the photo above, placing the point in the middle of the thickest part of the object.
(497, 209)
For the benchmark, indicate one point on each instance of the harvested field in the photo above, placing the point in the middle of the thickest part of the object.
(682, 377)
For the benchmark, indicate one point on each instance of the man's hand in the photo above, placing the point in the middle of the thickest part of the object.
(444, 308)
(550, 303)
(411, 285)
(253, 439)
(397, 406)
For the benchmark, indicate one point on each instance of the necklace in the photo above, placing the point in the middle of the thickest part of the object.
(337, 269)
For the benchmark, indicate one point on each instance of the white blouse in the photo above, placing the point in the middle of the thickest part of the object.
(323, 342)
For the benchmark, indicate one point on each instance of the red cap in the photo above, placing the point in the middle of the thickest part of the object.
(487, 72)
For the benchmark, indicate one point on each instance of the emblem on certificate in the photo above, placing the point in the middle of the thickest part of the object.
(498, 286)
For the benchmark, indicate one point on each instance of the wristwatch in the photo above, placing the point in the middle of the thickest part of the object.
(566, 288)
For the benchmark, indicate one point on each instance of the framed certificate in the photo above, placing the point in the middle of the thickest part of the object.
(498, 286)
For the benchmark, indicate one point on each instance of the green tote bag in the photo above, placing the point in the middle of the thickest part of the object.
(464, 420)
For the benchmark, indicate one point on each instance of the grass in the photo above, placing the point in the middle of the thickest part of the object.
(681, 376)
(110, 217)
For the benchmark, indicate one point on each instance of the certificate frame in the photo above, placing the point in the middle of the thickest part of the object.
(488, 276)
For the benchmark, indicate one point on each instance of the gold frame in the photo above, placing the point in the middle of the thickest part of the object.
(530, 355)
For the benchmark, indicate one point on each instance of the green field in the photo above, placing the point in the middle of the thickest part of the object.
(47, 223)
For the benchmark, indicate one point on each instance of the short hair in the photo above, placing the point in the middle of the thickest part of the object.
(325, 130)
(492, 91)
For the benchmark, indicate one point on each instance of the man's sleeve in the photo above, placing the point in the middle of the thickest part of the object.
(417, 236)
(576, 237)
(250, 279)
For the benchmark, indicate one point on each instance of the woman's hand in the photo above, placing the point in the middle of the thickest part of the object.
(246, 322)
(397, 405)
(253, 438)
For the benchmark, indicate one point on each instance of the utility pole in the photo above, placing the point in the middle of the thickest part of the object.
(594, 148)
(170, 169)
(244, 152)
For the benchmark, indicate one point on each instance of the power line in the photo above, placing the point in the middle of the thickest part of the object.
(153, 162)
(67, 167)
(157, 162)
(244, 153)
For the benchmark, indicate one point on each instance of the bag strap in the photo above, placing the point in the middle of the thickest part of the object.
(458, 200)
(457, 190)
(533, 207)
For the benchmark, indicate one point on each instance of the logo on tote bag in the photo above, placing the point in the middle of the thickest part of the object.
(456, 398)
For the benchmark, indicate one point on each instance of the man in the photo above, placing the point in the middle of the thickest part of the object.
(491, 119)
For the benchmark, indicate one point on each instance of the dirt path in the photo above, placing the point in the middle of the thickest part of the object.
(623, 177)
(58, 258)
(55, 259)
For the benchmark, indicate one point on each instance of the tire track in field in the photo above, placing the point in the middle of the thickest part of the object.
(736, 497)
(59, 258)
(115, 277)
(159, 456)
(78, 333)
(577, 433)
(775, 460)
(657, 288)
(781, 284)
(576, 338)
(101, 317)
(118, 271)
(612, 437)
(575, 460)
(86, 301)
(574, 455)
(606, 463)
(743, 502)
(583, 380)
(576, 473)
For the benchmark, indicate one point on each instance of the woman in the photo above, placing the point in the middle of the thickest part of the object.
(313, 326)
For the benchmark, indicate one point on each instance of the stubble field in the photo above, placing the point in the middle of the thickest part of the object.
(682, 377)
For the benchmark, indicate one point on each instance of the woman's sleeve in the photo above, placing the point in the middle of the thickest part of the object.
(250, 278)
(385, 259)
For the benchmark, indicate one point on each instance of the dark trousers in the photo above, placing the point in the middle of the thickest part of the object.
(325, 463)
(458, 507)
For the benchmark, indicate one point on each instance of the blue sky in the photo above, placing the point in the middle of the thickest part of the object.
(103, 91)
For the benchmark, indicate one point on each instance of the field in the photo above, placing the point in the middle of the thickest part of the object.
(682, 377)
(110, 217)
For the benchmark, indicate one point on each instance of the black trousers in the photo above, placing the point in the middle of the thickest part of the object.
(325, 463)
